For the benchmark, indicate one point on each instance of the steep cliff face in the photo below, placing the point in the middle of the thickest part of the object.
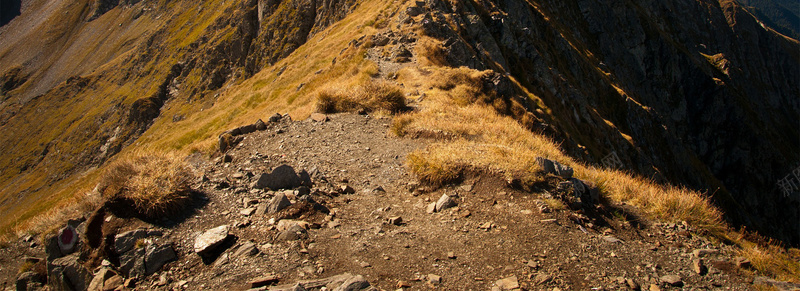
(697, 93)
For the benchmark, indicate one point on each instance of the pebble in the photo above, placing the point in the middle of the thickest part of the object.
(509, 283)
(673, 280)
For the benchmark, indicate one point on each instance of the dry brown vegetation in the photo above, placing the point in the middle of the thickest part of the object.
(472, 135)
(374, 95)
(151, 185)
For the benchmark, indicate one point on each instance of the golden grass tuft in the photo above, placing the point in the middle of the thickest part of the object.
(151, 185)
(374, 95)
(430, 52)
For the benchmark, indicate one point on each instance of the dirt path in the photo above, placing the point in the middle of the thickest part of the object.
(494, 232)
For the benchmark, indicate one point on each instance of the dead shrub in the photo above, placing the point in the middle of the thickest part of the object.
(149, 185)
(369, 97)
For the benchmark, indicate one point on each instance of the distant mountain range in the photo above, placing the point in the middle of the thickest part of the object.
(781, 15)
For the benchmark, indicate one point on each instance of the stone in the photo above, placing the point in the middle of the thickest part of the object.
(673, 280)
(66, 273)
(542, 278)
(113, 283)
(431, 208)
(263, 281)
(699, 253)
(509, 283)
(451, 255)
(355, 283)
(632, 284)
(227, 158)
(319, 117)
(743, 262)
(278, 203)
(245, 129)
(67, 239)
(51, 249)
(346, 189)
(780, 285)
(285, 224)
(282, 177)
(699, 267)
(275, 118)
(397, 220)
(131, 263)
(261, 209)
(100, 278)
(210, 239)
(553, 167)
(434, 279)
(247, 211)
(260, 125)
(157, 256)
(294, 232)
(248, 249)
(27, 279)
(125, 241)
(654, 287)
(445, 202)
(612, 239)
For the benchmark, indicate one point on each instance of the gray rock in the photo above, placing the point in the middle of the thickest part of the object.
(282, 177)
(355, 283)
(295, 232)
(131, 264)
(275, 118)
(542, 278)
(157, 256)
(397, 220)
(699, 253)
(509, 283)
(260, 125)
(781, 285)
(66, 273)
(278, 203)
(553, 167)
(445, 202)
(210, 239)
(434, 279)
(27, 279)
(100, 278)
(247, 211)
(673, 280)
(261, 209)
(247, 249)
(51, 249)
(247, 129)
(125, 241)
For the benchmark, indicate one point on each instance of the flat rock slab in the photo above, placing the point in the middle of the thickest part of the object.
(509, 283)
(210, 239)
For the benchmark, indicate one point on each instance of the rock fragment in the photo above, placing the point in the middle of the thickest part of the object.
(509, 283)
(445, 202)
(210, 239)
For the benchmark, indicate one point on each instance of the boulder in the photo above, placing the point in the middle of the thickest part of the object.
(555, 168)
(132, 264)
(125, 241)
(355, 283)
(247, 129)
(278, 203)
(319, 117)
(66, 273)
(445, 202)
(509, 283)
(98, 282)
(157, 256)
(283, 177)
(294, 232)
(210, 239)
(275, 118)
(260, 125)
(27, 281)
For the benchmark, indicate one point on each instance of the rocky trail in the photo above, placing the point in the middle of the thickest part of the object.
(347, 215)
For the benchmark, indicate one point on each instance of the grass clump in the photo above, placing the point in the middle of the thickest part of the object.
(149, 185)
(368, 97)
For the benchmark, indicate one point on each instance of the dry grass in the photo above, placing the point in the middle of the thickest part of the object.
(471, 134)
(430, 52)
(152, 184)
(374, 95)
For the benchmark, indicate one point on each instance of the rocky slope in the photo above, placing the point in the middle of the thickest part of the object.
(695, 93)
(354, 217)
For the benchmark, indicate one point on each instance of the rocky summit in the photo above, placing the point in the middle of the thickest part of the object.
(385, 145)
